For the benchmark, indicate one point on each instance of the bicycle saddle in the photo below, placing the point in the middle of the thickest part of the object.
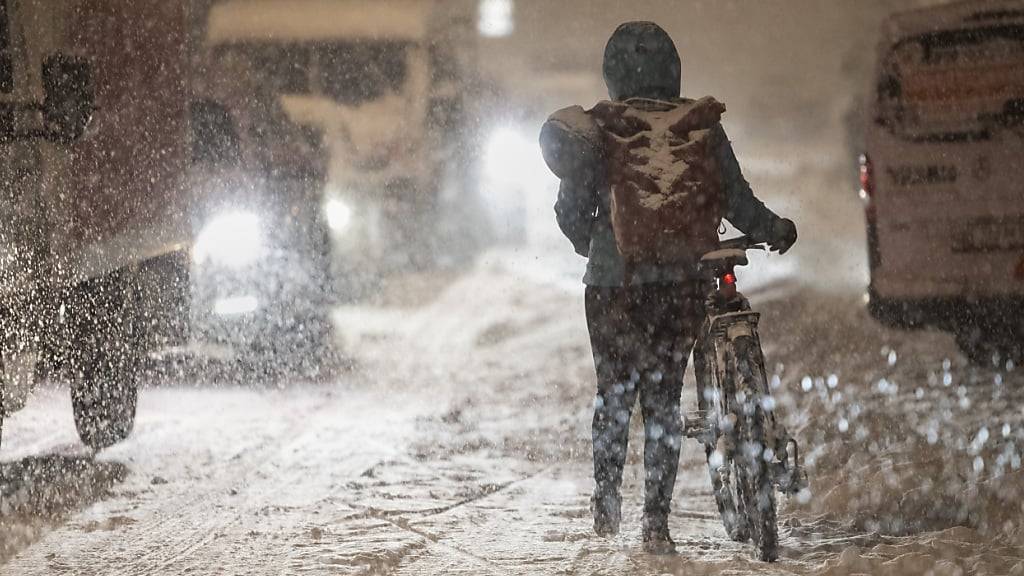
(723, 260)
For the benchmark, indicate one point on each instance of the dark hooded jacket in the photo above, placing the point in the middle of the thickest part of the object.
(641, 61)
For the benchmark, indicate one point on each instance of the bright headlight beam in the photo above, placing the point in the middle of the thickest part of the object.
(234, 240)
(506, 153)
(496, 18)
(339, 214)
(236, 305)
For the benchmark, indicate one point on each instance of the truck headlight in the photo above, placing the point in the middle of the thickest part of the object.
(234, 240)
(339, 214)
(236, 305)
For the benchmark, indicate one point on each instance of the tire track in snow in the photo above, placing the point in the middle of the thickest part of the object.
(437, 541)
(487, 492)
(183, 523)
(265, 492)
(172, 532)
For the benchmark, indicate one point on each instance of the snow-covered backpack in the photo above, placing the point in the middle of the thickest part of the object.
(659, 161)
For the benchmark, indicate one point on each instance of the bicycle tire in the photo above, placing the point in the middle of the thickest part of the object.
(726, 498)
(753, 476)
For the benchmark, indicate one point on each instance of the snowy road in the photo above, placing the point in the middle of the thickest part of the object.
(459, 444)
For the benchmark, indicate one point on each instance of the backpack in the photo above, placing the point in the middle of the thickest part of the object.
(659, 161)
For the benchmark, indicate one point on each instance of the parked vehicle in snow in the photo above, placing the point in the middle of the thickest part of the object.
(188, 218)
(35, 121)
(385, 83)
(941, 176)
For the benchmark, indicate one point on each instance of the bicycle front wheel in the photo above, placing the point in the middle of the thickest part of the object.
(753, 453)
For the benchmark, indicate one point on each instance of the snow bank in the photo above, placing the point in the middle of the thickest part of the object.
(905, 443)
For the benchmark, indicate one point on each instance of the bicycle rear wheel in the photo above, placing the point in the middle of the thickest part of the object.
(723, 486)
(754, 453)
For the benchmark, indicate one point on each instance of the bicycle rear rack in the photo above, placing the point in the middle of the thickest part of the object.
(787, 474)
(790, 480)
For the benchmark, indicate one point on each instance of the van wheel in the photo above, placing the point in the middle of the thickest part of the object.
(106, 367)
(104, 393)
(990, 346)
(978, 347)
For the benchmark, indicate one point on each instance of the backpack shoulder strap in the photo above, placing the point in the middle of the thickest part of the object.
(703, 114)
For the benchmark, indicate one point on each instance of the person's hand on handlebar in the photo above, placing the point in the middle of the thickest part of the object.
(782, 235)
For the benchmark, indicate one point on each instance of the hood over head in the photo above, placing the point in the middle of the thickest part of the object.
(641, 61)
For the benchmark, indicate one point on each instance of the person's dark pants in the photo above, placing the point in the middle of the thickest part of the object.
(641, 338)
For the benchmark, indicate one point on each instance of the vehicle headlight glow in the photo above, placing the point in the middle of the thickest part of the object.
(234, 240)
(508, 151)
(495, 18)
(236, 305)
(339, 214)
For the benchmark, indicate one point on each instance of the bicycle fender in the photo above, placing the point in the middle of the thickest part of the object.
(737, 324)
(739, 330)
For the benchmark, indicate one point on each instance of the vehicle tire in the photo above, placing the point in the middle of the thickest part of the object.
(987, 345)
(1015, 345)
(750, 469)
(976, 348)
(729, 506)
(106, 366)
(104, 394)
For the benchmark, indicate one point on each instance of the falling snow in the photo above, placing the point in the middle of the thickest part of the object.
(317, 241)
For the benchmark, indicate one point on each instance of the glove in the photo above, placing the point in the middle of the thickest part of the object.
(782, 235)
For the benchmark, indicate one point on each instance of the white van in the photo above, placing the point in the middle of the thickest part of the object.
(943, 175)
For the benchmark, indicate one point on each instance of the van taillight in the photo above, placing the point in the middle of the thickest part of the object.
(867, 178)
(867, 193)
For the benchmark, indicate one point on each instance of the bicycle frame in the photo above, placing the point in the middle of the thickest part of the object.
(730, 317)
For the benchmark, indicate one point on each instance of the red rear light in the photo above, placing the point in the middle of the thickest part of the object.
(729, 279)
(867, 178)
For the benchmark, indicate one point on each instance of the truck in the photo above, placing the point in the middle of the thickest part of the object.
(941, 174)
(387, 83)
(186, 217)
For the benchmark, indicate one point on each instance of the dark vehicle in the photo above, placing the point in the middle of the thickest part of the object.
(187, 219)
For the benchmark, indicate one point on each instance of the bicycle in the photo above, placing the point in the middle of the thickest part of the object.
(749, 453)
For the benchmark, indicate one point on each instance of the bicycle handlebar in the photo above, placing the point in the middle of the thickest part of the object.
(741, 243)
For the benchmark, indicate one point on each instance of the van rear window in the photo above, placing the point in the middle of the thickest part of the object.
(954, 84)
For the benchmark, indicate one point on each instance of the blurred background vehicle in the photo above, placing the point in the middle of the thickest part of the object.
(390, 87)
(246, 168)
(941, 176)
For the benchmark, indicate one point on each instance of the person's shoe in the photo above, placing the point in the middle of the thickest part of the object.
(657, 539)
(607, 510)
